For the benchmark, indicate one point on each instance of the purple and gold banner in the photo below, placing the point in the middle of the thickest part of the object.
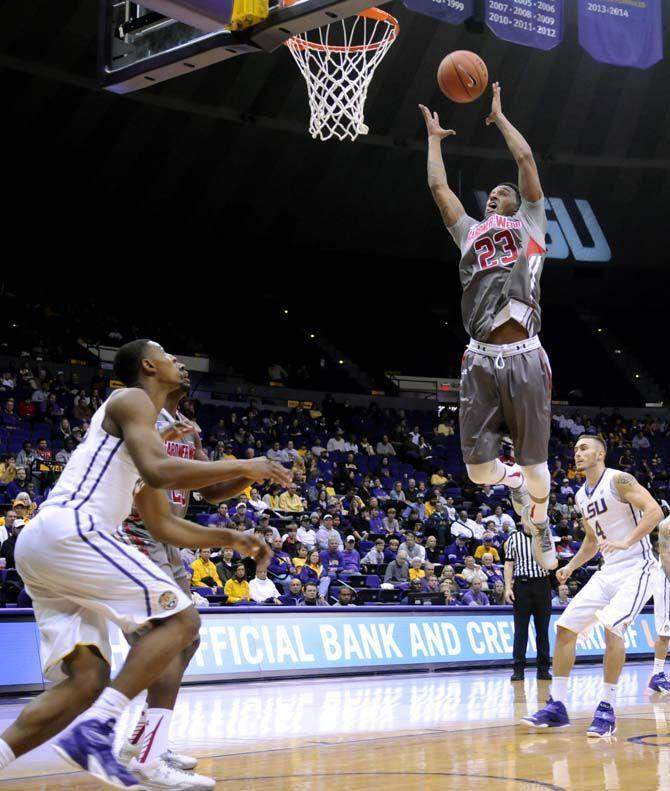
(622, 32)
(531, 23)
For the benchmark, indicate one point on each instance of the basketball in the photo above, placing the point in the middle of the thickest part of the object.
(462, 76)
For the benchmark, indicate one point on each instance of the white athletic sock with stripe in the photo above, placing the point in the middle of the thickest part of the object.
(659, 666)
(136, 736)
(6, 755)
(608, 693)
(509, 475)
(109, 706)
(156, 735)
(559, 688)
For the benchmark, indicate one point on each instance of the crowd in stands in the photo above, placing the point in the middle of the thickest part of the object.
(380, 509)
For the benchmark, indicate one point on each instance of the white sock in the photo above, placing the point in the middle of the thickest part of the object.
(608, 693)
(109, 706)
(6, 754)
(136, 736)
(156, 735)
(538, 482)
(559, 688)
(659, 666)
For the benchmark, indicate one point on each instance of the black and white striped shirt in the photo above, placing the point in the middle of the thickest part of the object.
(519, 548)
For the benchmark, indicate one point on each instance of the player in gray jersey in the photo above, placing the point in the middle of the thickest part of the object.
(505, 375)
(148, 740)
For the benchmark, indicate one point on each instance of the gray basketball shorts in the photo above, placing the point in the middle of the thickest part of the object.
(168, 559)
(505, 388)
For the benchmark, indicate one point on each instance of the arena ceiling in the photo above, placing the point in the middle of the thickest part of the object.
(225, 151)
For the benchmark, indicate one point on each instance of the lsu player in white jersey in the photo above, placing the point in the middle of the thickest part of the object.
(618, 515)
(659, 682)
(148, 740)
(80, 578)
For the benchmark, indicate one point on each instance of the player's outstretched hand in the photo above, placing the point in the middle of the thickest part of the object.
(263, 469)
(563, 575)
(496, 106)
(258, 549)
(433, 124)
(178, 429)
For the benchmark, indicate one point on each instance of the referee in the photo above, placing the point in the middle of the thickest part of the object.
(528, 588)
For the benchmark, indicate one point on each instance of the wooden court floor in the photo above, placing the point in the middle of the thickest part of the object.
(400, 732)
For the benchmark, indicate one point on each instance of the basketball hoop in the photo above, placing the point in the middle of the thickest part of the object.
(338, 62)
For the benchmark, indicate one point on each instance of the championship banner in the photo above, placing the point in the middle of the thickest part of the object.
(455, 12)
(622, 32)
(531, 23)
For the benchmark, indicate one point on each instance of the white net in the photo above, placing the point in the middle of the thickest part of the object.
(338, 62)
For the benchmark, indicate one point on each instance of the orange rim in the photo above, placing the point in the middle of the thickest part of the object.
(376, 14)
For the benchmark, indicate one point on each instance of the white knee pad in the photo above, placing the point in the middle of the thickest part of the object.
(489, 472)
(538, 480)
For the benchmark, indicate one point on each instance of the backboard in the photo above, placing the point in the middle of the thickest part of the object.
(139, 47)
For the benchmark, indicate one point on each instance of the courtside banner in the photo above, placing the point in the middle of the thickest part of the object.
(531, 23)
(455, 12)
(263, 642)
(622, 32)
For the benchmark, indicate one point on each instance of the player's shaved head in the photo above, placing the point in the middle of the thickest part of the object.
(128, 360)
(597, 439)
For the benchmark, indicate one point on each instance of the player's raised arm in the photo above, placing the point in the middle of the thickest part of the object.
(529, 178)
(640, 500)
(165, 526)
(446, 199)
(132, 416)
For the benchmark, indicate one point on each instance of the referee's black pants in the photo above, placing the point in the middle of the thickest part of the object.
(532, 597)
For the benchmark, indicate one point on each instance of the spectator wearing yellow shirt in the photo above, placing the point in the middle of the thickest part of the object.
(205, 574)
(487, 548)
(438, 478)
(415, 570)
(291, 501)
(7, 471)
(237, 589)
(301, 558)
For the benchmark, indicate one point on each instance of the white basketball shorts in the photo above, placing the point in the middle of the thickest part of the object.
(662, 603)
(80, 578)
(614, 597)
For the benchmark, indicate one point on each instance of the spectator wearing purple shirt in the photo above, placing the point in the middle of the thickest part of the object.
(332, 559)
(221, 518)
(376, 521)
(391, 550)
(456, 552)
(476, 597)
(351, 556)
(8, 416)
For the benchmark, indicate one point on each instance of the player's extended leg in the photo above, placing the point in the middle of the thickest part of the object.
(494, 472)
(604, 721)
(52, 711)
(554, 714)
(659, 681)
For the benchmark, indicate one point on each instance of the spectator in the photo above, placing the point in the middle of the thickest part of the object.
(413, 549)
(332, 558)
(500, 518)
(241, 520)
(486, 548)
(8, 546)
(375, 557)
(26, 456)
(313, 571)
(497, 595)
(438, 478)
(220, 518)
(7, 471)
(432, 584)
(301, 557)
(450, 598)
(294, 596)
(262, 590)
(336, 443)
(307, 531)
(8, 417)
(23, 505)
(6, 525)
(64, 454)
(464, 526)
(397, 571)
(390, 524)
(344, 598)
(290, 500)
(256, 504)
(226, 566)
(281, 566)
(415, 570)
(237, 588)
(205, 574)
(438, 524)
(384, 448)
(476, 597)
(351, 559)
(397, 493)
(493, 573)
(433, 553)
(326, 532)
(366, 448)
(277, 454)
(290, 541)
(456, 552)
(311, 597)
(562, 597)
(472, 572)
